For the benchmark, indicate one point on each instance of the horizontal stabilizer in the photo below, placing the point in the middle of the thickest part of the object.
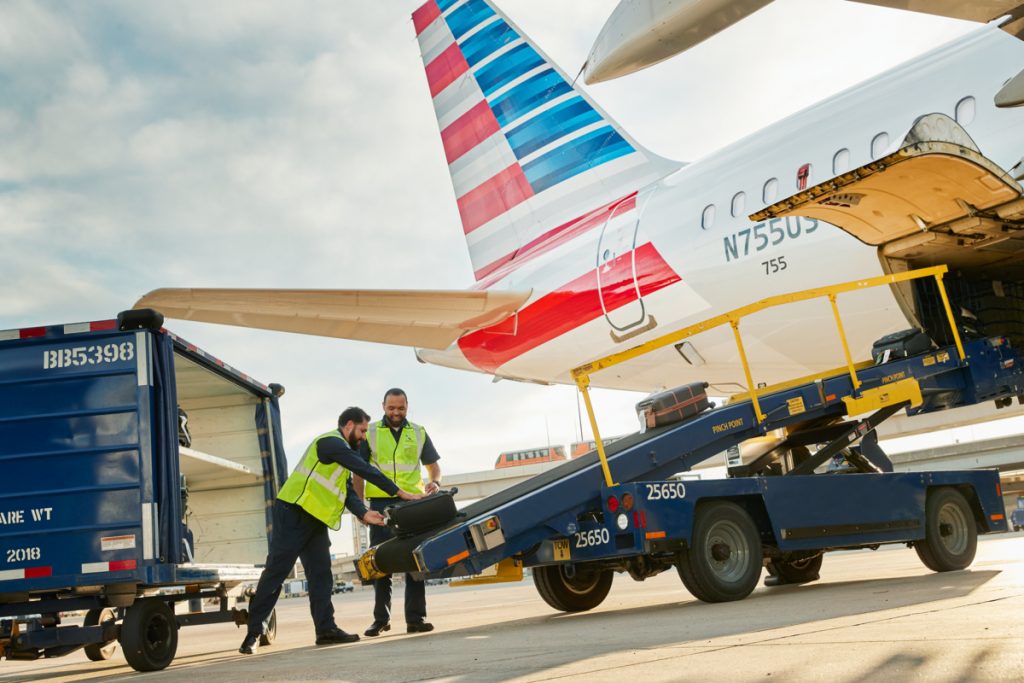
(430, 319)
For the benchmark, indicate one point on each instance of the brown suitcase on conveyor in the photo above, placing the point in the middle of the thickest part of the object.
(674, 405)
(412, 517)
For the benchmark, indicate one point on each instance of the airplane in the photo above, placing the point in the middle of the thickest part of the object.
(584, 243)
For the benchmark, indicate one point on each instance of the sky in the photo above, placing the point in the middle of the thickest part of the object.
(293, 144)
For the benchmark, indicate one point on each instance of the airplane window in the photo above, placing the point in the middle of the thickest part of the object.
(878, 144)
(771, 190)
(841, 162)
(708, 217)
(739, 200)
(965, 111)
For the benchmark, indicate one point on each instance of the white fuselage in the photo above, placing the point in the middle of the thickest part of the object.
(728, 261)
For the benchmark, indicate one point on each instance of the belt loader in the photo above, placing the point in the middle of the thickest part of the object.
(622, 509)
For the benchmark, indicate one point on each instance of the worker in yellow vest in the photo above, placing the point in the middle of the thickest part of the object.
(310, 502)
(397, 448)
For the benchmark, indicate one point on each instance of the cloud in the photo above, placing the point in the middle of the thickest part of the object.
(34, 38)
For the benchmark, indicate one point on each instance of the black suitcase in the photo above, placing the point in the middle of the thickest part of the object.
(900, 345)
(416, 516)
(674, 405)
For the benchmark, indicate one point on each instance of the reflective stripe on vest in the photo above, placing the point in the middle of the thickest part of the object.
(399, 462)
(317, 488)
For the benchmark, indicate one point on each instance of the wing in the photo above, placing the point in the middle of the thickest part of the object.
(421, 318)
(641, 33)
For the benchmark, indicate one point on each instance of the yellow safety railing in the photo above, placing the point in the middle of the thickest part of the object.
(582, 374)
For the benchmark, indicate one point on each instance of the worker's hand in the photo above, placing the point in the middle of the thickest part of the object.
(405, 495)
(432, 487)
(373, 517)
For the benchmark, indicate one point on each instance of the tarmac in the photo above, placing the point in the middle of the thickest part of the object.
(873, 616)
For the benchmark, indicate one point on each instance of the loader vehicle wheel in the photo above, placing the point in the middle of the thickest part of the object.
(268, 636)
(98, 652)
(950, 532)
(794, 571)
(723, 560)
(149, 635)
(585, 589)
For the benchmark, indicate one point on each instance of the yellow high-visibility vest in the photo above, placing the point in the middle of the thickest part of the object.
(317, 488)
(399, 461)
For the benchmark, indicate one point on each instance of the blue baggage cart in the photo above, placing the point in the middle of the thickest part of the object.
(136, 475)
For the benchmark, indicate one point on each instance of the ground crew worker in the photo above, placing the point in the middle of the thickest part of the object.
(397, 447)
(311, 501)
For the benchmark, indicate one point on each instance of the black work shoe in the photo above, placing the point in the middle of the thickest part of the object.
(335, 637)
(250, 644)
(422, 627)
(376, 628)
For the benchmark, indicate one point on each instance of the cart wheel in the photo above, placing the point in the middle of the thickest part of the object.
(99, 652)
(584, 590)
(149, 635)
(268, 636)
(794, 571)
(950, 532)
(723, 562)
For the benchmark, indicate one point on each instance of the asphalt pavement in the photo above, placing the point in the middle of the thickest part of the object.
(873, 616)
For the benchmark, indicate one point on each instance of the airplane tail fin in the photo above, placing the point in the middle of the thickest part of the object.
(531, 157)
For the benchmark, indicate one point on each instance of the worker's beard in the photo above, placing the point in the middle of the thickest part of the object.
(352, 440)
(395, 422)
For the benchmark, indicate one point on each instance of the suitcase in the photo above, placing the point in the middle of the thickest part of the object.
(900, 345)
(674, 405)
(412, 517)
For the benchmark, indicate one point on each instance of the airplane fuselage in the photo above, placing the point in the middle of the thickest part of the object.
(683, 249)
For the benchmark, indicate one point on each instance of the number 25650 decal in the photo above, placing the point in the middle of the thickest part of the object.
(672, 490)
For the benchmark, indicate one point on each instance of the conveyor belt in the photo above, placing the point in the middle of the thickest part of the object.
(395, 556)
(485, 505)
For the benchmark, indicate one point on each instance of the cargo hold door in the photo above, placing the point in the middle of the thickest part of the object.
(937, 199)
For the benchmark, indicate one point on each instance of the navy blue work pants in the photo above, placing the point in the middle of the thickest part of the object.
(415, 591)
(297, 535)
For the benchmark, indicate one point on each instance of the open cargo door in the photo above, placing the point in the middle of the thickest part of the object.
(935, 200)
(936, 197)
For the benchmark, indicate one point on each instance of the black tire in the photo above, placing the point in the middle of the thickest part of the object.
(796, 571)
(723, 562)
(99, 652)
(586, 589)
(149, 635)
(951, 534)
(268, 636)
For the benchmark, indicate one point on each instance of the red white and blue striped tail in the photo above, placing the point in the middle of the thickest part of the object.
(529, 154)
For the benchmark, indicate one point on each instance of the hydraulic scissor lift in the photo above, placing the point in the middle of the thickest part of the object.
(620, 508)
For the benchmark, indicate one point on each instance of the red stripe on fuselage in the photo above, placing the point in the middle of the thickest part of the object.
(469, 130)
(551, 239)
(570, 307)
(494, 197)
(445, 68)
(425, 15)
